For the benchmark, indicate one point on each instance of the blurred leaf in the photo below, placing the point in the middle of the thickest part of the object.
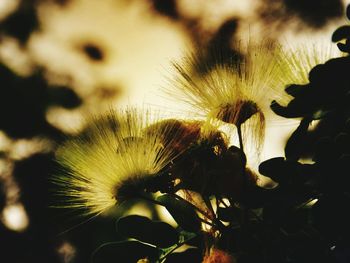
(182, 212)
(64, 97)
(124, 252)
(22, 23)
(143, 229)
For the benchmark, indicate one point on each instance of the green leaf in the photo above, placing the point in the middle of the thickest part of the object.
(198, 240)
(182, 212)
(142, 228)
(124, 252)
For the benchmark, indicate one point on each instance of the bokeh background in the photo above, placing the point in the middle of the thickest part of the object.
(61, 60)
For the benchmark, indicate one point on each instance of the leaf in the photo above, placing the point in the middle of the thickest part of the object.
(182, 212)
(143, 229)
(344, 47)
(124, 252)
(295, 90)
(273, 168)
(341, 33)
(64, 97)
(198, 240)
(293, 149)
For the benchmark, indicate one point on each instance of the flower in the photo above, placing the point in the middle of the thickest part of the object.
(112, 160)
(218, 256)
(297, 61)
(239, 90)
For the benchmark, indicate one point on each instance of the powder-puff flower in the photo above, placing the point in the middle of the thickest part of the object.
(234, 91)
(112, 160)
(297, 60)
(240, 90)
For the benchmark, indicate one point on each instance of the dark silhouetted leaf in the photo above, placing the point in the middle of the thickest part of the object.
(344, 47)
(22, 23)
(272, 168)
(182, 212)
(341, 33)
(295, 90)
(124, 252)
(142, 228)
(293, 151)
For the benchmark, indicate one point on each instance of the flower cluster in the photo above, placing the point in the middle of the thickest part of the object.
(190, 166)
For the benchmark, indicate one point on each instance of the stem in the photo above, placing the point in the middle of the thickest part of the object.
(173, 249)
(209, 206)
(240, 138)
(245, 179)
(217, 222)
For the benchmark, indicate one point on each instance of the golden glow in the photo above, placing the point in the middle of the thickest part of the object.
(15, 217)
(68, 121)
(7, 7)
(138, 44)
(10, 49)
(24, 148)
(5, 142)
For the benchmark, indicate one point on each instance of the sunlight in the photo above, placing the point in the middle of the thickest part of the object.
(15, 217)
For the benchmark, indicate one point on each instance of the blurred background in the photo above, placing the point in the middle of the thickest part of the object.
(63, 59)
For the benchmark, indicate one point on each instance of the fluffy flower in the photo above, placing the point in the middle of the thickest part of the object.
(218, 256)
(239, 90)
(112, 160)
(297, 61)
(234, 92)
